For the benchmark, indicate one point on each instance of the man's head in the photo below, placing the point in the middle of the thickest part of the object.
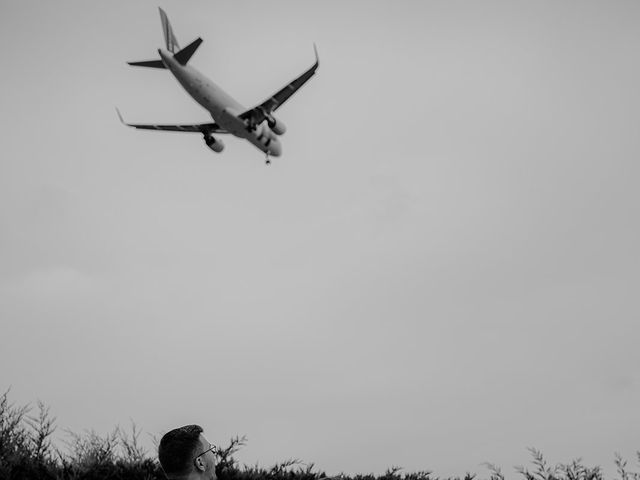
(185, 453)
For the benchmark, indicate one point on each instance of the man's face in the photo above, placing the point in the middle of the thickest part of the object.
(208, 458)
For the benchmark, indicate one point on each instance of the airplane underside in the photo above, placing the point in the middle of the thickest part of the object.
(256, 125)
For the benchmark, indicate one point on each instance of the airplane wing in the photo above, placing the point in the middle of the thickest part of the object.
(198, 127)
(258, 114)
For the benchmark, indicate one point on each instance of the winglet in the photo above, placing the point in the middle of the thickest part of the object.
(120, 117)
(315, 49)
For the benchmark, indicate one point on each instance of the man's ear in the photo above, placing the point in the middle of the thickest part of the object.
(199, 464)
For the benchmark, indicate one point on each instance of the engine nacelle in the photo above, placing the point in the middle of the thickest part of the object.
(214, 143)
(276, 125)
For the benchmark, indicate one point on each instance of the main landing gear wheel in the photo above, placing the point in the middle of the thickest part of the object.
(267, 160)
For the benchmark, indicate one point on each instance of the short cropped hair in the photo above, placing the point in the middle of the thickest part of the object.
(177, 448)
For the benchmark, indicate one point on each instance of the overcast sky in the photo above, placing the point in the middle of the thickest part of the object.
(441, 270)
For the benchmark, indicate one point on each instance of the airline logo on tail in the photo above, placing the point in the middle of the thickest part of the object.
(169, 37)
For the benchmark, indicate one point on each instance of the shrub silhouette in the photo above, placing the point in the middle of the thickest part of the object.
(27, 453)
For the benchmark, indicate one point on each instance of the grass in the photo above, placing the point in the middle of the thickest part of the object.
(27, 452)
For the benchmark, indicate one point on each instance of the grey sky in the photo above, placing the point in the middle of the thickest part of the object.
(441, 270)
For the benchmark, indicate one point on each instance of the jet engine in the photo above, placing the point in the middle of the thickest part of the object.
(276, 125)
(214, 143)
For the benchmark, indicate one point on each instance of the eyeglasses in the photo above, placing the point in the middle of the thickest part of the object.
(212, 448)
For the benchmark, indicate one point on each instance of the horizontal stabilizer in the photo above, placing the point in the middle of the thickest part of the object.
(187, 52)
(148, 63)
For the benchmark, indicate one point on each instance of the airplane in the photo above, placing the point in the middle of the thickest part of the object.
(256, 125)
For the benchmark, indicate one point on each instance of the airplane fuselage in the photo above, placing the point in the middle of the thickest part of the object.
(223, 108)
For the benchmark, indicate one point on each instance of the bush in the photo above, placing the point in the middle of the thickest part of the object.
(27, 453)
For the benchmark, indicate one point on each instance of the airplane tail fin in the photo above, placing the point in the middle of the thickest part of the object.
(169, 37)
(182, 56)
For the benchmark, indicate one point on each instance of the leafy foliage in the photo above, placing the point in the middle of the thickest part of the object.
(27, 453)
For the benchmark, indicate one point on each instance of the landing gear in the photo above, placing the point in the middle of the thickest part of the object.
(268, 160)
